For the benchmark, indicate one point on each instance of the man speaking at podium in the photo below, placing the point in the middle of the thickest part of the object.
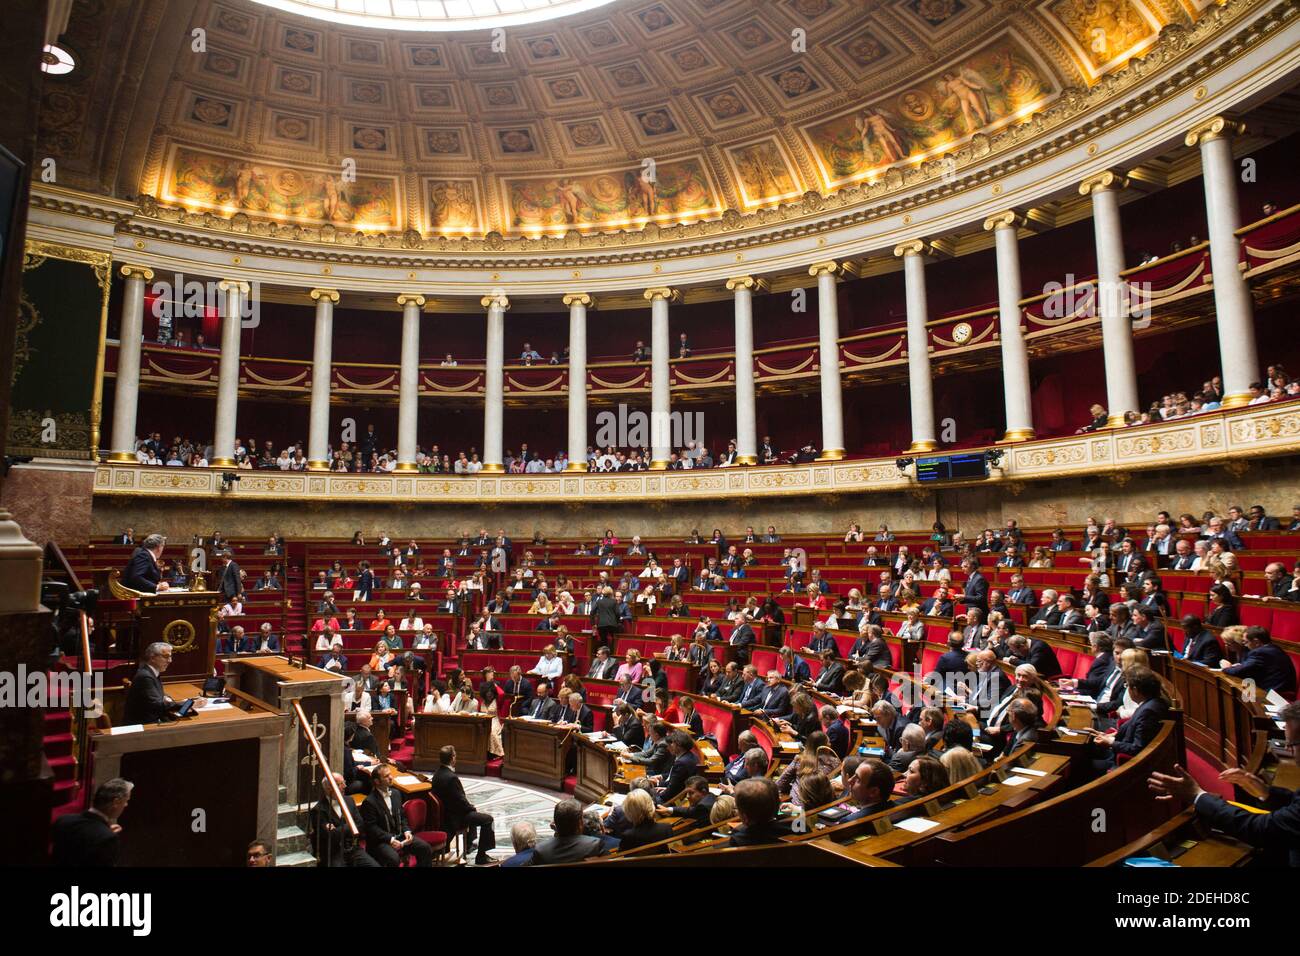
(143, 571)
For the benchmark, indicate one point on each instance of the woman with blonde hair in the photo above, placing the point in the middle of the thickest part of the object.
(1042, 558)
(907, 600)
(724, 808)
(631, 666)
(564, 603)
(960, 764)
(542, 605)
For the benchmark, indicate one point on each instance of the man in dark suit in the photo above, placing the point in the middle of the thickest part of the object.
(735, 770)
(235, 642)
(144, 570)
(628, 691)
(796, 668)
(145, 701)
(870, 648)
(574, 711)
(1152, 635)
(939, 605)
(889, 724)
(991, 685)
(385, 827)
(1260, 521)
(1022, 716)
(603, 667)
(1140, 729)
(1278, 829)
(1265, 663)
(1048, 613)
(757, 802)
(228, 582)
(742, 639)
(732, 685)
(1035, 652)
(682, 769)
(698, 806)
(518, 686)
(837, 735)
(1103, 659)
(775, 702)
(569, 845)
(953, 660)
(753, 691)
(126, 537)
(605, 617)
(329, 834)
(977, 587)
(541, 707)
(870, 787)
(457, 812)
(821, 640)
(1200, 646)
(91, 838)
(708, 628)
(830, 679)
(1018, 593)
(654, 754)
(1072, 619)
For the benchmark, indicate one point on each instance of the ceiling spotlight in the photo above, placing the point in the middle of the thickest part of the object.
(904, 463)
(993, 456)
(57, 61)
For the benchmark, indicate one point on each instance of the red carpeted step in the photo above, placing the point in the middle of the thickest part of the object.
(64, 767)
(58, 745)
(570, 784)
(493, 768)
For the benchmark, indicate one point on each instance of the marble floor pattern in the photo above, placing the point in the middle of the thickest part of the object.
(509, 803)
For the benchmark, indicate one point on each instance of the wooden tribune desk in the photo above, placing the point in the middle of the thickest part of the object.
(468, 733)
(224, 763)
(187, 620)
(277, 683)
(536, 751)
(597, 770)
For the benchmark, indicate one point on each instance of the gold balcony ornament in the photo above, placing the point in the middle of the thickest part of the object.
(747, 282)
(662, 292)
(913, 247)
(318, 294)
(1106, 179)
(1216, 127)
(829, 267)
(497, 299)
(1003, 220)
(408, 297)
(137, 272)
(579, 298)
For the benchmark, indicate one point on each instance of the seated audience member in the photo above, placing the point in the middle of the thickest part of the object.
(960, 763)
(458, 814)
(1141, 728)
(751, 762)
(1200, 646)
(523, 837)
(871, 788)
(757, 803)
(1265, 663)
(698, 803)
(1277, 829)
(639, 808)
(924, 776)
(569, 845)
(388, 837)
(91, 838)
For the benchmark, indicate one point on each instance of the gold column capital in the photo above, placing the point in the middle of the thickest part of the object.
(410, 298)
(497, 299)
(580, 298)
(137, 272)
(236, 285)
(746, 282)
(1002, 220)
(1216, 127)
(912, 247)
(1106, 179)
(318, 294)
(662, 292)
(829, 267)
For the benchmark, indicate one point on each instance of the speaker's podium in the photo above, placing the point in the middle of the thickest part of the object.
(187, 620)
(536, 751)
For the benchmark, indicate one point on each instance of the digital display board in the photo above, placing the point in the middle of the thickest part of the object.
(952, 467)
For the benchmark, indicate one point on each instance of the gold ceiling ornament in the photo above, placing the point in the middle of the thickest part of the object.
(1106, 179)
(1216, 127)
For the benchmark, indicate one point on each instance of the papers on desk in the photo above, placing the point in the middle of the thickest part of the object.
(599, 735)
(224, 705)
(406, 779)
(617, 746)
(1078, 699)
(360, 756)
(1032, 773)
(916, 824)
(535, 720)
(127, 729)
(1274, 702)
(790, 745)
(1015, 780)
(1067, 732)
(616, 799)
(983, 747)
(716, 791)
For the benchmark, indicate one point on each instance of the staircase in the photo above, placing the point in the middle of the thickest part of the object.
(58, 751)
(297, 619)
(291, 846)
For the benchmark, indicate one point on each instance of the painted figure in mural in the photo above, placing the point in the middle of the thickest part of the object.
(643, 193)
(570, 204)
(874, 126)
(331, 205)
(968, 87)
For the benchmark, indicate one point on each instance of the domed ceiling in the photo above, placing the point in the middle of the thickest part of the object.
(635, 112)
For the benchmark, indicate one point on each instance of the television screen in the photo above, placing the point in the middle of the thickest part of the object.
(952, 467)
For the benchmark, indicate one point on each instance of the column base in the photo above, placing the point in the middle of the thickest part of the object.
(920, 446)
(122, 456)
(659, 465)
(1018, 434)
(1236, 400)
(831, 454)
(492, 468)
(576, 466)
(405, 466)
(222, 463)
(318, 466)
(1116, 421)
(746, 459)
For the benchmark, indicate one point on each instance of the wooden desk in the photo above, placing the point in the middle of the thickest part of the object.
(224, 762)
(277, 683)
(468, 733)
(536, 752)
(597, 770)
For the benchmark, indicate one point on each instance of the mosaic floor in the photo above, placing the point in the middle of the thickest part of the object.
(510, 802)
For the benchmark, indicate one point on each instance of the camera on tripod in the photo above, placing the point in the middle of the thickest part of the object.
(67, 606)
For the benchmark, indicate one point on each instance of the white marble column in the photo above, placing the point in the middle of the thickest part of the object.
(920, 385)
(1233, 307)
(223, 442)
(828, 335)
(408, 382)
(494, 383)
(660, 394)
(578, 303)
(126, 394)
(319, 417)
(1015, 357)
(746, 415)
(1112, 300)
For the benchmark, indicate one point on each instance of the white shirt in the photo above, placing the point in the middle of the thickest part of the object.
(411, 625)
(437, 704)
(474, 467)
(549, 666)
(352, 705)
